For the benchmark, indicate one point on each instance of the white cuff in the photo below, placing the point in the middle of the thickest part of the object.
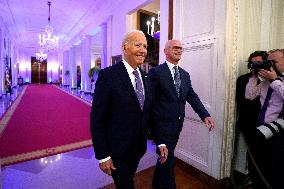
(105, 159)
(161, 145)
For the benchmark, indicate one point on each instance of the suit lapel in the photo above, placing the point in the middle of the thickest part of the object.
(123, 75)
(169, 79)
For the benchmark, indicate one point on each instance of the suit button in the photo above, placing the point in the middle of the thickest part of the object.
(179, 117)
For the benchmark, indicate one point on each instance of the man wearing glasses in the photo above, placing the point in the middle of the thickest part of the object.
(270, 89)
(171, 89)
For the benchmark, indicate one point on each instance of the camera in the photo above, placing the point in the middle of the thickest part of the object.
(257, 65)
(270, 129)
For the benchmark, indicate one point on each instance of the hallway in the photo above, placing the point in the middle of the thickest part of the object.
(74, 169)
(67, 43)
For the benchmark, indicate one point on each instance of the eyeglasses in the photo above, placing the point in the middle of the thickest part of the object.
(176, 48)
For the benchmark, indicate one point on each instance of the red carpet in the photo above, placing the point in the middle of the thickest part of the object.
(46, 121)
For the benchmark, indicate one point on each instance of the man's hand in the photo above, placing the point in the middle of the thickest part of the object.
(269, 75)
(163, 154)
(107, 166)
(209, 122)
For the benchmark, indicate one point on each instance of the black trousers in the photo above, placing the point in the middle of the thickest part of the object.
(269, 157)
(276, 161)
(124, 173)
(258, 147)
(164, 176)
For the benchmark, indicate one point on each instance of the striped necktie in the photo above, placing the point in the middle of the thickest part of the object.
(139, 89)
(177, 80)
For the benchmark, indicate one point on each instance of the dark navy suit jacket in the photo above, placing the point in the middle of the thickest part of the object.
(168, 109)
(119, 127)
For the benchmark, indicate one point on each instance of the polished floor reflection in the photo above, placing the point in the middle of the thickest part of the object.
(72, 170)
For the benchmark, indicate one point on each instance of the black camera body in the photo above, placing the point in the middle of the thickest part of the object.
(257, 65)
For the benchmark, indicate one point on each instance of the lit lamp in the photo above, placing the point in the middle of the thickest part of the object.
(148, 26)
(151, 26)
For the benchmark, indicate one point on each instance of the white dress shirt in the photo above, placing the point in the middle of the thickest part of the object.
(130, 70)
(171, 67)
(276, 101)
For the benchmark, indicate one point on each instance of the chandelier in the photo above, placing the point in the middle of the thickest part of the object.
(40, 56)
(47, 40)
(152, 28)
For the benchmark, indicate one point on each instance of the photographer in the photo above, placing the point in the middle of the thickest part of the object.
(269, 86)
(247, 110)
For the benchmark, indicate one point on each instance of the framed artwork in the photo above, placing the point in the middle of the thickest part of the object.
(116, 59)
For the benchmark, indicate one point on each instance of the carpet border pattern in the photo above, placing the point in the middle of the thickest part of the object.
(7, 116)
(44, 153)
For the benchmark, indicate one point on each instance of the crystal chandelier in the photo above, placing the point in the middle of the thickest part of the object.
(40, 56)
(47, 40)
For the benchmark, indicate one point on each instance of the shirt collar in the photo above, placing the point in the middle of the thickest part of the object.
(171, 65)
(129, 69)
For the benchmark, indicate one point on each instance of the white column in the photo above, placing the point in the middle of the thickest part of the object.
(14, 66)
(86, 63)
(73, 71)
(104, 45)
(65, 68)
(78, 60)
(164, 24)
(60, 66)
(109, 42)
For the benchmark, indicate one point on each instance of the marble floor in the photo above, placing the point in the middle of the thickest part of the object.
(71, 170)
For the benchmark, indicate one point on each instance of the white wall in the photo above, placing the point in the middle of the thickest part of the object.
(25, 66)
(52, 68)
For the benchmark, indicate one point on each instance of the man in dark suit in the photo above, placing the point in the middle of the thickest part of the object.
(171, 88)
(120, 113)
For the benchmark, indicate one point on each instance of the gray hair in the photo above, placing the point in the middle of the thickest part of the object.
(167, 45)
(128, 35)
(277, 50)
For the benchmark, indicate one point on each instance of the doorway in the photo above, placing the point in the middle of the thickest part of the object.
(39, 71)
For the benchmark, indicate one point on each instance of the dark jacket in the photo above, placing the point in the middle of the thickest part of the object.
(247, 110)
(168, 109)
(118, 126)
